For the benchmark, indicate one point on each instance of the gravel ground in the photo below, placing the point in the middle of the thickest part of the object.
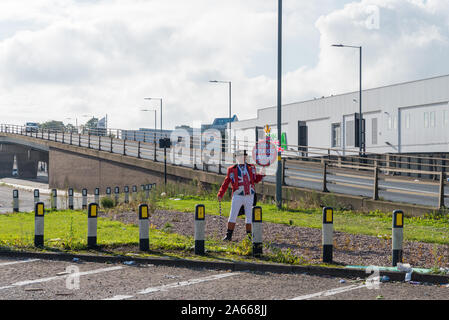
(304, 242)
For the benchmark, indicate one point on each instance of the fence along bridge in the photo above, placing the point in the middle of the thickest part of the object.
(402, 178)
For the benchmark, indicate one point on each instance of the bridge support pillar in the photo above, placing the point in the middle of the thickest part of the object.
(6, 164)
(27, 168)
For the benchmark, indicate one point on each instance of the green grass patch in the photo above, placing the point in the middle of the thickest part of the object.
(430, 229)
(66, 231)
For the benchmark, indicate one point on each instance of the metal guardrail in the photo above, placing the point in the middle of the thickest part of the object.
(296, 164)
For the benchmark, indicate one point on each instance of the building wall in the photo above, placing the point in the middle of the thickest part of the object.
(394, 117)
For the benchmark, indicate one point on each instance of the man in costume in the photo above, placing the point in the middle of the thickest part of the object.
(242, 177)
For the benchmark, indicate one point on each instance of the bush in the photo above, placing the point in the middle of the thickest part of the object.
(107, 202)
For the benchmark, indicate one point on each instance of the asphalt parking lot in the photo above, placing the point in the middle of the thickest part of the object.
(40, 279)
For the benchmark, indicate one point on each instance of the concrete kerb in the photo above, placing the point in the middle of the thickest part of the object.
(232, 266)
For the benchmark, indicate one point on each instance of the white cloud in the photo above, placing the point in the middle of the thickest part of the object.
(69, 58)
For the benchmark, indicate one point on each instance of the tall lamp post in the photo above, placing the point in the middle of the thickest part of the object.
(361, 143)
(146, 110)
(160, 99)
(230, 105)
(279, 110)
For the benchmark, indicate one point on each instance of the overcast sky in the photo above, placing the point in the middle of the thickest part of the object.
(64, 59)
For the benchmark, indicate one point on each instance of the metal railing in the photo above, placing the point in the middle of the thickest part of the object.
(321, 168)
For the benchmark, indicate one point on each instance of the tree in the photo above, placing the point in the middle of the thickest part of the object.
(92, 123)
(52, 125)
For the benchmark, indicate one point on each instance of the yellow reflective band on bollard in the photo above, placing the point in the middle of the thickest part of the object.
(200, 212)
(399, 220)
(144, 212)
(93, 210)
(257, 214)
(329, 215)
(40, 209)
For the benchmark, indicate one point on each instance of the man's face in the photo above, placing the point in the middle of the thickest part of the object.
(241, 159)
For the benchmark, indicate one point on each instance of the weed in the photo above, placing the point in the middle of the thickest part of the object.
(107, 202)
(167, 228)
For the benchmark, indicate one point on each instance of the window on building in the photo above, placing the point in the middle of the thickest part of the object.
(395, 122)
(445, 118)
(350, 133)
(426, 119)
(432, 119)
(390, 123)
(336, 135)
(374, 130)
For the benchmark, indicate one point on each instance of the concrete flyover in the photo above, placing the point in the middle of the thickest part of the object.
(28, 154)
(108, 162)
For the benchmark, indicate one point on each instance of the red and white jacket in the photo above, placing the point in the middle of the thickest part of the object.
(233, 179)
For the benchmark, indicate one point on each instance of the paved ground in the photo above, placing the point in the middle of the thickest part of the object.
(59, 280)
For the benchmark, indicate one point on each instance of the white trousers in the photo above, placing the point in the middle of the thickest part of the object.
(236, 204)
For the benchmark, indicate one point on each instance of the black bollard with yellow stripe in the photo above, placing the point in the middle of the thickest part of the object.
(92, 214)
(36, 196)
(54, 199)
(126, 191)
(134, 193)
(116, 194)
(70, 193)
(97, 195)
(39, 211)
(257, 231)
(200, 221)
(15, 200)
(328, 234)
(84, 194)
(147, 191)
(398, 236)
(144, 224)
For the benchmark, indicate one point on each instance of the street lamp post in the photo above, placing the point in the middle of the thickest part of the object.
(279, 109)
(160, 99)
(145, 110)
(230, 106)
(361, 144)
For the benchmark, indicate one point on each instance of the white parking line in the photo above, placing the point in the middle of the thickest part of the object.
(173, 285)
(77, 274)
(16, 262)
(330, 292)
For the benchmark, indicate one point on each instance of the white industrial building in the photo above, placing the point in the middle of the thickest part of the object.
(407, 117)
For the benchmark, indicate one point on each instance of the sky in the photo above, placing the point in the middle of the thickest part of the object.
(69, 60)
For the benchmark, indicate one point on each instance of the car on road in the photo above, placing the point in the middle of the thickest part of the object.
(31, 127)
(15, 172)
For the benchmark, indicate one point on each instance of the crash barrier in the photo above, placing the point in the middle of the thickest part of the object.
(300, 164)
